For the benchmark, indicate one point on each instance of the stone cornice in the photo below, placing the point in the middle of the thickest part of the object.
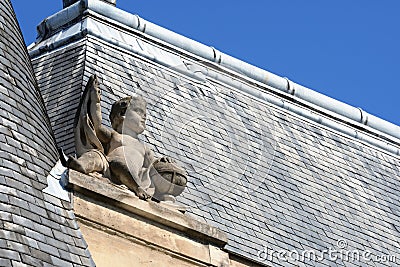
(102, 189)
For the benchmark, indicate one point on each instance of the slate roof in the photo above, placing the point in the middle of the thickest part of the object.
(36, 229)
(267, 176)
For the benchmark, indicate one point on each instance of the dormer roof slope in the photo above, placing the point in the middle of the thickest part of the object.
(36, 229)
(273, 164)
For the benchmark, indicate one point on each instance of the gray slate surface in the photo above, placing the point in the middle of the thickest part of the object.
(265, 176)
(36, 229)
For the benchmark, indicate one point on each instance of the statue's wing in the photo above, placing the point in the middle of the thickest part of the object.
(85, 134)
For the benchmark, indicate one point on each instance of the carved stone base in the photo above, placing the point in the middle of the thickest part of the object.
(122, 230)
(173, 206)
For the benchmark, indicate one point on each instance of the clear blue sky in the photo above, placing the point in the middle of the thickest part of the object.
(346, 49)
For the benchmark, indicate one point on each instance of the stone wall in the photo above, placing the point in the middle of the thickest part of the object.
(122, 230)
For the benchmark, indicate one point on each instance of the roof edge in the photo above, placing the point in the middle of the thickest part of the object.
(354, 114)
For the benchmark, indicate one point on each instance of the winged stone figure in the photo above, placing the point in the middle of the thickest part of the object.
(117, 153)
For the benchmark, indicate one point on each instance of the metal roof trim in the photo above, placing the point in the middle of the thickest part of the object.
(65, 16)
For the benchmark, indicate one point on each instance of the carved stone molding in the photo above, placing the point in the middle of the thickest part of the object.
(141, 229)
(102, 189)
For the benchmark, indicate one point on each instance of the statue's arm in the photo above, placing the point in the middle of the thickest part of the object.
(103, 133)
(149, 157)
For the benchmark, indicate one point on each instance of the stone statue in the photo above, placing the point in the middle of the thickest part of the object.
(117, 153)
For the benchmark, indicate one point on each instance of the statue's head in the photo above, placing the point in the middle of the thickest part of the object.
(132, 108)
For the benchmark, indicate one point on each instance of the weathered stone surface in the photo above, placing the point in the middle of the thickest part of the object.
(125, 231)
(111, 249)
(116, 196)
(240, 262)
(117, 153)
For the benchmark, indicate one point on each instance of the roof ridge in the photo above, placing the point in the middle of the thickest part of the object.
(353, 115)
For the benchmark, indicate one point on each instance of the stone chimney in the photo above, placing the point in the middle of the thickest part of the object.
(67, 3)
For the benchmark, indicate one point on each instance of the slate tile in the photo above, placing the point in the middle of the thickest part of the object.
(306, 185)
